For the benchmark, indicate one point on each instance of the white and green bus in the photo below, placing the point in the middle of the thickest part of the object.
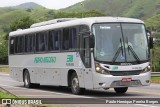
(85, 53)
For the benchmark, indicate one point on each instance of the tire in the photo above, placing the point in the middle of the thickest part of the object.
(121, 90)
(27, 81)
(75, 85)
(106, 88)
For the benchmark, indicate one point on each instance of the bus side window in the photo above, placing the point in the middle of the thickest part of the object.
(20, 44)
(16, 44)
(51, 40)
(57, 40)
(37, 41)
(65, 39)
(26, 43)
(41, 42)
(72, 38)
(69, 39)
(12, 42)
(31, 44)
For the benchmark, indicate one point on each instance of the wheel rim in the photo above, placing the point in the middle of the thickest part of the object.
(26, 80)
(75, 84)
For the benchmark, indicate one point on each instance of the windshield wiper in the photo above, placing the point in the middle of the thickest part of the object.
(133, 52)
(117, 52)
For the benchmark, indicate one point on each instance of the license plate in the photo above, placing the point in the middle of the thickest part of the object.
(126, 79)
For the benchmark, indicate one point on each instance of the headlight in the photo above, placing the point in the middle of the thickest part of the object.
(147, 69)
(99, 69)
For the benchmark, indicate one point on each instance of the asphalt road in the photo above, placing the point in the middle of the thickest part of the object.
(16, 88)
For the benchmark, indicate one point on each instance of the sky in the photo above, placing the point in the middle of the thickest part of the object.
(51, 4)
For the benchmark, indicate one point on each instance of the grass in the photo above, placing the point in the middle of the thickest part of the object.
(155, 78)
(4, 69)
(6, 95)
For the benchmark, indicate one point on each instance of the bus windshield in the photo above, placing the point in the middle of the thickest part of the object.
(120, 42)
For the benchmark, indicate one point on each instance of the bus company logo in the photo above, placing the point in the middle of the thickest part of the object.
(115, 68)
(69, 58)
(45, 59)
(6, 101)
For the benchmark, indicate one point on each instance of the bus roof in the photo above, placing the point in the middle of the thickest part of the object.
(79, 21)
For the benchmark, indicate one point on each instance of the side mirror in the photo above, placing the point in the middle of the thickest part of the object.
(148, 33)
(150, 41)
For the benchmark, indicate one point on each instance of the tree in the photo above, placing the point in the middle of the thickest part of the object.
(3, 51)
(153, 23)
(50, 14)
(22, 23)
(92, 13)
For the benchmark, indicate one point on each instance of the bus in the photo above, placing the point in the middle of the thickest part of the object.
(82, 53)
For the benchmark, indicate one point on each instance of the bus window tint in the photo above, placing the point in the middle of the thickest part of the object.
(65, 41)
(72, 39)
(16, 44)
(57, 40)
(12, 45)
(31, 40)
(20, 44)
(69, 39)
(26, 43)
(29, 43)
(51, 40)
(41, 43)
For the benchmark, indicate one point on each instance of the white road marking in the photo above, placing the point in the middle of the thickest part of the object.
(3, 74)
(11, 81)
(146, 105)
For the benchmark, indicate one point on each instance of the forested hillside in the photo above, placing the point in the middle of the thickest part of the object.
(129, 8)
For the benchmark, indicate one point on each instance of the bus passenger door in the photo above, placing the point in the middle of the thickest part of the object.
(86, 59)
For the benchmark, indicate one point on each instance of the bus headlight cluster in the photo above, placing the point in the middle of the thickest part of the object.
(147, 69)
(99, 69)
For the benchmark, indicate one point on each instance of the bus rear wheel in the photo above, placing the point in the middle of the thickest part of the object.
(121, 90)
(75, 85)
(27, 81)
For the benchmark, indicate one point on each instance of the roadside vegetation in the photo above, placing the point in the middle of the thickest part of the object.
(155, 80)
(4, 94)
(4, 69)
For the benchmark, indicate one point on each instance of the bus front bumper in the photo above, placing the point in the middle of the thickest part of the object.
(109, 81)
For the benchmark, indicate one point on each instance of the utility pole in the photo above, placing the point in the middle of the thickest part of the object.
(82, 9)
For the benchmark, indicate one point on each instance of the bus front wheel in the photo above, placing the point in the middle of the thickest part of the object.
(75, 85)
(121, 90)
